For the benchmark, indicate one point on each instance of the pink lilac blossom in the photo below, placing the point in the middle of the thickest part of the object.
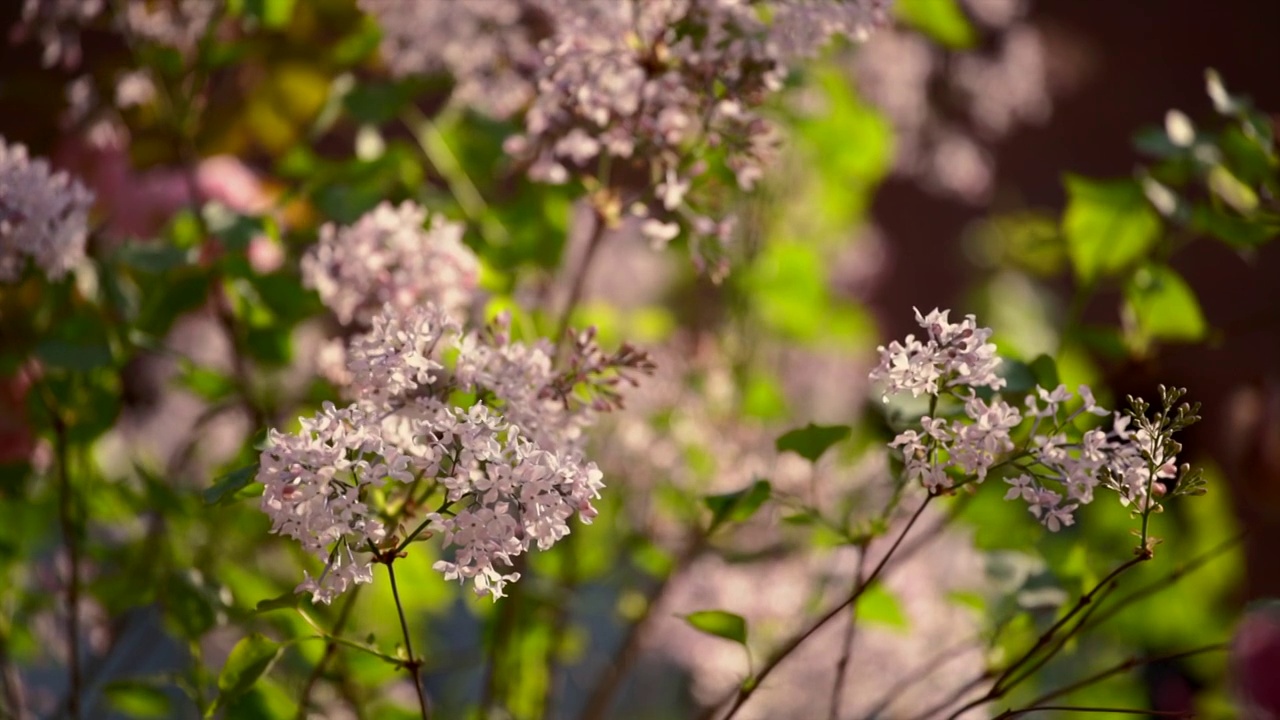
(950, 355)
(315, 482)
(388, 256)
(991, 90)
(1056, 469)
(43, 215)
(509, 466)
(489, 47)
(56, 24)
(635, 98)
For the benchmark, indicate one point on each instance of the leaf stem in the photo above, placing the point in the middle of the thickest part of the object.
(330, 651)
(412, 664)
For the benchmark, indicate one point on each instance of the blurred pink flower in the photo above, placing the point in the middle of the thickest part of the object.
(1255, 662)
(137, 203)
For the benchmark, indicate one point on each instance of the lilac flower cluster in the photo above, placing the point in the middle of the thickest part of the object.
(1004, 82)
(56, 24)
(391, 255)
(43, 215)
(487, 47)
(950, 355)
(632, 97)
(1053, 467)
(507, 466)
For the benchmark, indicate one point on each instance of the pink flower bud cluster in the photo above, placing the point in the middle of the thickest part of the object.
(43, 216)
(1051, 465)
(391, 255)
(507, 465)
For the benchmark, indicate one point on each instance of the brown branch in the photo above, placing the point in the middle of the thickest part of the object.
(999, 689)
(850, 634)
(749, 687)
(1127, 665)
(918, 675)
(1081, 709)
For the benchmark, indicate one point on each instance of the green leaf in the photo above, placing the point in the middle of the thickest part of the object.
(1018, 377)
(272, 13)
(250, 659)
(878, 605)
(812, 441)
(1235, 193)
(76, 357)
(136, 699)
(719, 623)
(1108, 226)
(738, 506)
(286, 601)
(941, 20)
(188, 606)
(1231, 229)
(1046, 372)
(208, 384)
(153, 258)
(225, 488)
(1164, 306)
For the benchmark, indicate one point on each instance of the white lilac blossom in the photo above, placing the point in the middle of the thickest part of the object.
(1051, 465)
(391, 255)
(43, 215)
(506, 464)
(950, 355)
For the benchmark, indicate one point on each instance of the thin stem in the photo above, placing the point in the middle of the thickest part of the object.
(70, 537)
(1081, 709)
(412, 664)
(560, 620)
(600, 700)
(579, 280)
(507, 615)
(850, 634)
(1000, 688)
(330, 651)
(1178, 573)
(436, 149)
(1127, 665)
(1005, 685)
(916, 676)
(748, 688)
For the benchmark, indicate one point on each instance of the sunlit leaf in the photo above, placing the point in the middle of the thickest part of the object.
(1108, 226)
(1164, 306)
(720, 623)
(812, 441)
(138, 700)
(738, 506)
(225, 487)
(942, 20)
(249, 660)
(880, 606)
